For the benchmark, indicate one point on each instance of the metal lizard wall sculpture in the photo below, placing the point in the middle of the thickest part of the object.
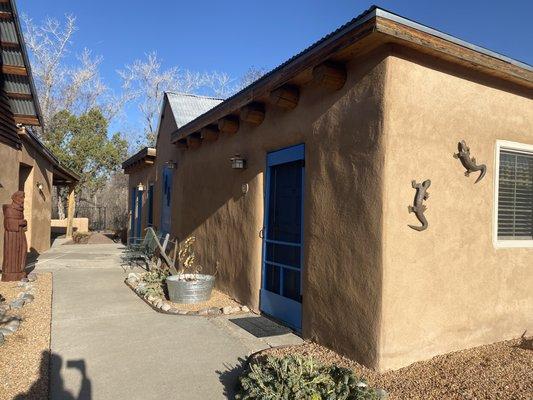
(469, 162)
(418, 207)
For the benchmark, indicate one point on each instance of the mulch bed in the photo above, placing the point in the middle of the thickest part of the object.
(24, 356)
(502, 370)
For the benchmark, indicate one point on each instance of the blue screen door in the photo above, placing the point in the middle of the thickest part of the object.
(281, 292)
(166, 200)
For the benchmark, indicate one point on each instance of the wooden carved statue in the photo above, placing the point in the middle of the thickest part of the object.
(15, 245)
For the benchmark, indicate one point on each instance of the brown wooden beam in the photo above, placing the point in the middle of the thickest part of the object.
(21, 96)
(182, 144)
(330, 75)
(229, 124)
(286, 97)
(209, 133)
(194, 140)
(9, 45)
(12, 70)
(6, 15)
(253, 113)
(27, 120)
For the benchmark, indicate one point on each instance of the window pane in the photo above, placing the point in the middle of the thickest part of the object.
(291, 284)
(283, 254)
(272, 278)
(515, 196)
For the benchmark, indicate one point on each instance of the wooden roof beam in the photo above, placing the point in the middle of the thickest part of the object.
(286, 96)
(209, 133)
(330, 75)
(182, 144)
(253, 113)
(12, 70)
(229, 124)
(194, 140)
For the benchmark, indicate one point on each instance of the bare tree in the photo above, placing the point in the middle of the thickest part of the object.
(76, 88)
(146, 81)
(250, 76)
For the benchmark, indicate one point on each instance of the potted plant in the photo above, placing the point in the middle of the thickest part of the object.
(189, 286)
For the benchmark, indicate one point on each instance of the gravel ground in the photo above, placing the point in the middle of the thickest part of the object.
(218, 299)
(502, 370)
(24, 357)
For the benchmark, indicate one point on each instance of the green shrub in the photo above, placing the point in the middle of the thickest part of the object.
(298, 378)
(153, 282)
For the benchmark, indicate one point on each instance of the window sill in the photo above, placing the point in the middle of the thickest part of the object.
(513, 244)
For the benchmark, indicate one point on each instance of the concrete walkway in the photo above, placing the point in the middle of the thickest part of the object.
(108, 344)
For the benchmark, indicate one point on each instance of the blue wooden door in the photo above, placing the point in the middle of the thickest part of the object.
(166, 200)
(281, 292)
(132, 210)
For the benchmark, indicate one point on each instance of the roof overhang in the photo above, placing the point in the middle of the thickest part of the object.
(143, 158)
(61, 174)
(369, 31)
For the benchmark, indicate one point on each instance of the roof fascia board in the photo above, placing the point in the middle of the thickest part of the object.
(412, 24)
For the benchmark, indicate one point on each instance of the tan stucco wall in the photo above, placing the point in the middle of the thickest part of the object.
(342, 221)
(79, 224)
(448, 288)
(38, 204)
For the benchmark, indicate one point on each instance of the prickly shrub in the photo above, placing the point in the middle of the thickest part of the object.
(153, 282)
(299, 378)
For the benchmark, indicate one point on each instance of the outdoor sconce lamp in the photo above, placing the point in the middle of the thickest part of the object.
(171, 164)
(238, 162)
(140, 187)
(39, 186)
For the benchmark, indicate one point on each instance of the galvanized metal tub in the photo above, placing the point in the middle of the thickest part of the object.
(190, 288)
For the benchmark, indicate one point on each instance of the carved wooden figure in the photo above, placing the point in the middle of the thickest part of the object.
(15, 245)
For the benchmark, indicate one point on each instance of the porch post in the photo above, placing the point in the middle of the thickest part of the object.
(70, 212)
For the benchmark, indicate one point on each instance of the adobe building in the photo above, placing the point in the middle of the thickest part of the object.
(302, 188)
(26, 163)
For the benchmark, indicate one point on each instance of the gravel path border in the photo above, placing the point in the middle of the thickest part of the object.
(25, 354)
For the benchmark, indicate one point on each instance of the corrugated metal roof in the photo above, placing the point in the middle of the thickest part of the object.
(12, 57)
(8, 32)
(17, 84)
(22, 107)
(187, 107)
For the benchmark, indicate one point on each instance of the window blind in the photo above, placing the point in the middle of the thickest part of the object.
(515, 196)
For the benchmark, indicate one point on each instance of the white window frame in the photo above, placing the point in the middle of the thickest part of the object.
(519, 148)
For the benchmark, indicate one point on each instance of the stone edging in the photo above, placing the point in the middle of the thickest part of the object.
(163, 306)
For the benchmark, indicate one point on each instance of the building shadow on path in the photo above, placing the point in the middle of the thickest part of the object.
(50, 380)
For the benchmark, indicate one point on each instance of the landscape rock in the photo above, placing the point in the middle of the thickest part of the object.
(203, 311)
(2, 339)
(12, 325)
(245, 309)
(151, 298)
(227, 310)
(235, 310)
(214, 311)
(3, 308)
(17, 304)
(5, 332)
(32, 277)
(28, 298)
(158, 303)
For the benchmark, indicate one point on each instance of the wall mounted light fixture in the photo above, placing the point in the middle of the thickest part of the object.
(40, 186)
(171, 164)
(140, 187)
(238, 162)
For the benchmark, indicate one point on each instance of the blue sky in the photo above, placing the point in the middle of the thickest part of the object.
(231, 36)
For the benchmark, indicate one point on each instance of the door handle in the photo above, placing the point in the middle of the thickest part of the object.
(262, 233)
